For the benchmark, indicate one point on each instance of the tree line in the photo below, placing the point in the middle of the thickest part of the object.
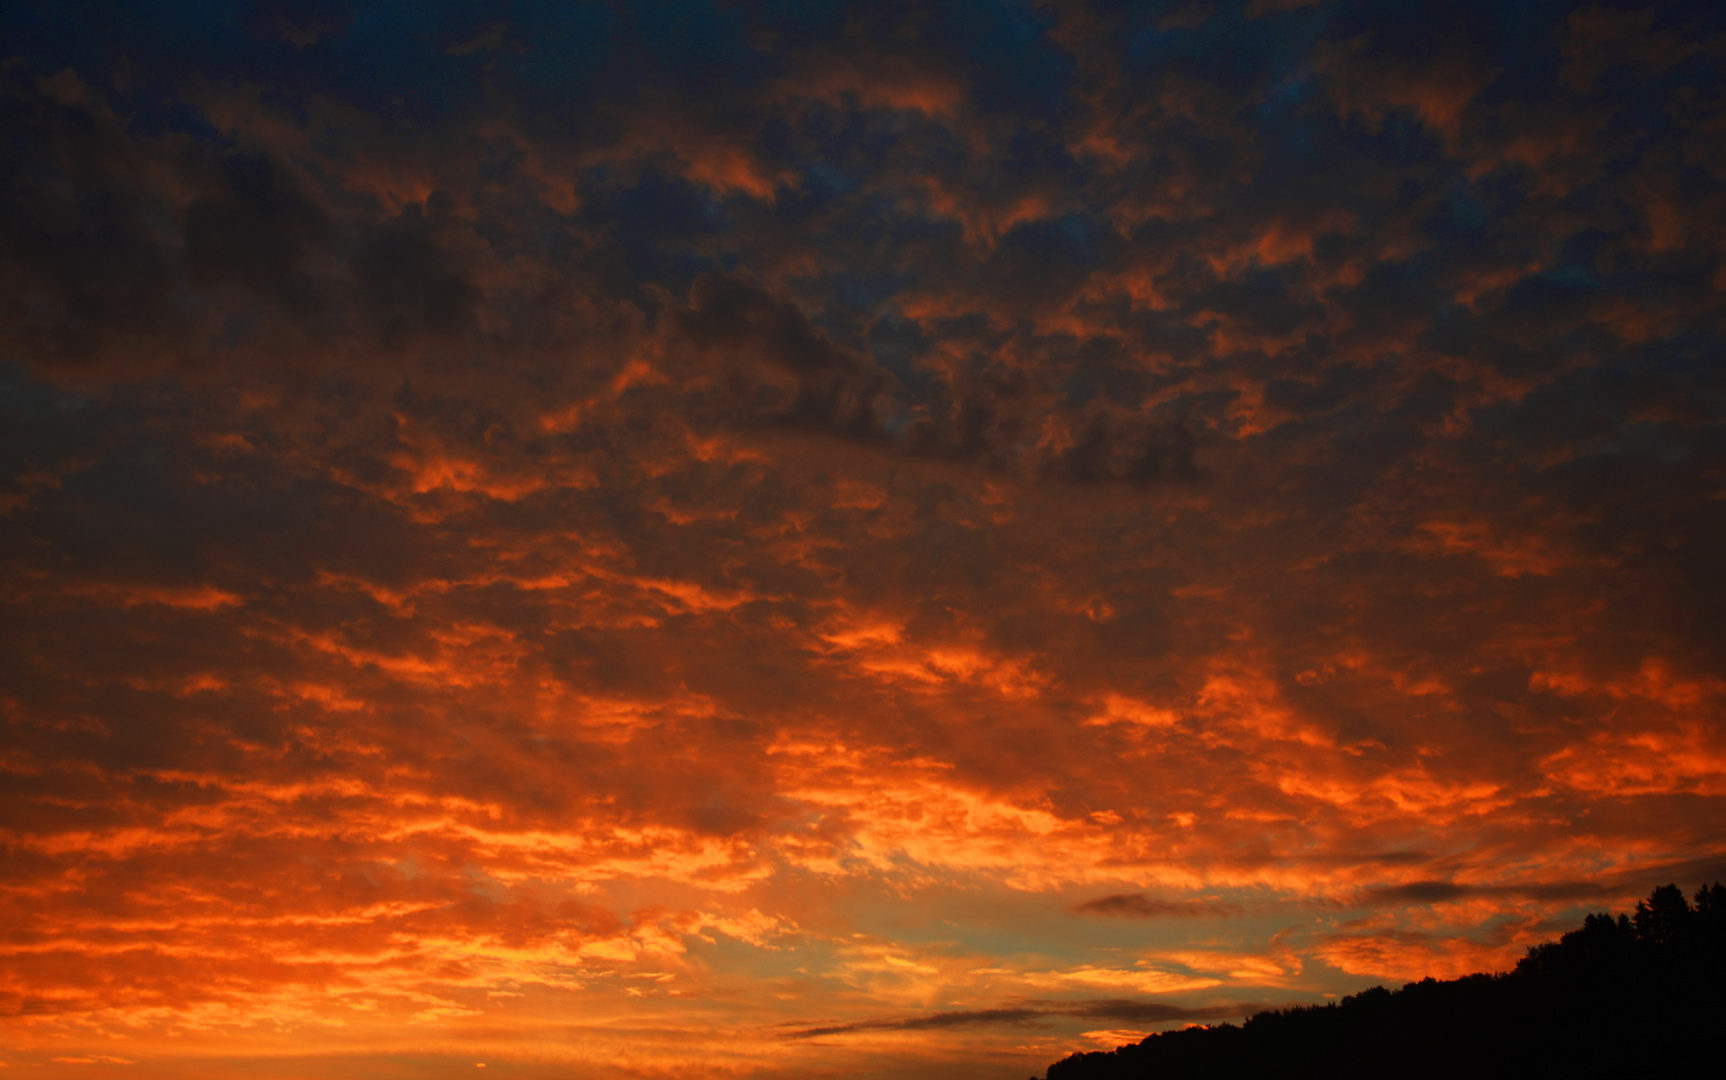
(1639, 995)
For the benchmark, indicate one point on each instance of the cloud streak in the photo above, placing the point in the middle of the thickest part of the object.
(1101, 1009)
(1140, 906)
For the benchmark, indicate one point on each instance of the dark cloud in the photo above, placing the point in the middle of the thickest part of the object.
(1430, 892)
(1155, 1012)
(257, 231)
(1630, 882)
(925, 1023)
(1106, 1009)
(407, 281)
(85, 271)
(779, 367)
(1140, 906)
(300, 22)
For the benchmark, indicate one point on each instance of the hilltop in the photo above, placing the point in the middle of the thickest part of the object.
(1631, 996)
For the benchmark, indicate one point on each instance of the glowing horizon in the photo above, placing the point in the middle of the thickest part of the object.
(864, 541)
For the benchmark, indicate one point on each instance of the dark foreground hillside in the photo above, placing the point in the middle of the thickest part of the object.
(1635, 996)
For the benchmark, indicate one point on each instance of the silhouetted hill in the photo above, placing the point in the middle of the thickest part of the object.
(1626, 997)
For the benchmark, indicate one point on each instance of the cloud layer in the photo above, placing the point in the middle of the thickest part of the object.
(600, 538)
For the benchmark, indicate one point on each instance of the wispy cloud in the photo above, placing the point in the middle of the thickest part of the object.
(1140, 906)
(1101, 1009)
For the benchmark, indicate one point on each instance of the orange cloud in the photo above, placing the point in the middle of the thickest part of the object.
(707, 546)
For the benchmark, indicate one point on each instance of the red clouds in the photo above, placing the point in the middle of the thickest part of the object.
(705, 547)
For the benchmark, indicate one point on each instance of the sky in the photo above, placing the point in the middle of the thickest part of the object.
(761, 539)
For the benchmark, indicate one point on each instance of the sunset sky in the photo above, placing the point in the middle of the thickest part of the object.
(786, 539)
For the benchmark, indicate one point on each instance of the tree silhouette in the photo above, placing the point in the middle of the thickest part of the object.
(1662, 917)
(1619, 997)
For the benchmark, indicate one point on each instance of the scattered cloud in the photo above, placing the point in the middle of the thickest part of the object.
(677, 522)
